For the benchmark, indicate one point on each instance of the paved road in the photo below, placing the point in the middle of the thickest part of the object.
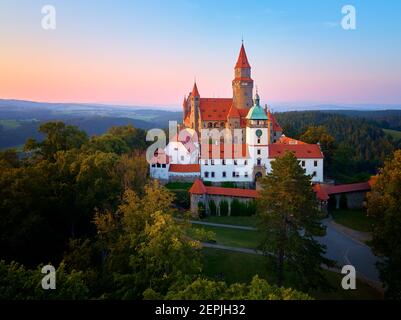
(340, 247)
(345, 250)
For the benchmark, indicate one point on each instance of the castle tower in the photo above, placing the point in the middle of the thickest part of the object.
(242, 83)
(195, 105)
(257, 137)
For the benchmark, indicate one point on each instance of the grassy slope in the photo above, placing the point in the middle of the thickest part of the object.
(354, 219)
(234, 237)
(394, 133)
(240, 267)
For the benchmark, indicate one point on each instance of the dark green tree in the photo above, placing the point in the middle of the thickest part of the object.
(289, 220)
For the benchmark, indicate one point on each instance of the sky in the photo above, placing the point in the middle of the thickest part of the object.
(148, 53)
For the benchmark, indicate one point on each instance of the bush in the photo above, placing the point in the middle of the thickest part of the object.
(228, 184)
(182, 199)
(212, 208)
(223, 208)
(239, 208)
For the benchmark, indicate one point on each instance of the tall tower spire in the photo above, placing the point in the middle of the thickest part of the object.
(242, 83)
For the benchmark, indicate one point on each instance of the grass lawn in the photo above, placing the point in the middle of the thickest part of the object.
(394, 133)
(354, 219)
(234, 237)
(240, 267)
(238, 221)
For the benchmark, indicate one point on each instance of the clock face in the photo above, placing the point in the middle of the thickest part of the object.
(258, 133)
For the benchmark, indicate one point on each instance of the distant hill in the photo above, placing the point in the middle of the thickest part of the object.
(19, 120)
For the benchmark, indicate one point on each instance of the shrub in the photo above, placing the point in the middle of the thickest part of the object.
(201, 210)
(223, 208)
(212, 208)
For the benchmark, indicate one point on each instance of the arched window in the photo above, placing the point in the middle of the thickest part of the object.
(210, 125)
(259, 161)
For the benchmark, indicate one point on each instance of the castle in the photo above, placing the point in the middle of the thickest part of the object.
(238, 138)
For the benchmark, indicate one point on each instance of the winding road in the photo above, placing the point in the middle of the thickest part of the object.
(340, 247)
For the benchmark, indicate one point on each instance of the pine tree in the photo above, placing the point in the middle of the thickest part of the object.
(289, 219)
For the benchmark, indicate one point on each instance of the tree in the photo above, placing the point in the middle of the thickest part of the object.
(258, 289)
(384, 204)
(59, 137)
(289, 219)
(320, 135)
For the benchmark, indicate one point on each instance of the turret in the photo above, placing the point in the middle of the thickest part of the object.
(242, 83)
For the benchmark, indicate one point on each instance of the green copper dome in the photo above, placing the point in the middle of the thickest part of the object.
(256, 112)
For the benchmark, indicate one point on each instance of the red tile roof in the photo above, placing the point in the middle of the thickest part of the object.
(301, 151)
(199, 188)
(286, 140)
(184, 168)
(233, 113)
(215, 109)
(242, 61)
(195, 92)
(321, 192)
(276, 126)
(344, 188)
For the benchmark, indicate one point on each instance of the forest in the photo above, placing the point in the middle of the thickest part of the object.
(354, 147)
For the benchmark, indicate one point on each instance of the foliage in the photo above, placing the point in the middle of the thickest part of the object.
(19, 283)
(343, 202)
(360, 145)
(258, 289)
(289, 219)
(212, 208)
(51, 196)
(224, 207)
(201, 210)
(384, 204)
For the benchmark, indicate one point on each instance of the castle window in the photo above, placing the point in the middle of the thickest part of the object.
(206, 174)
(223, 162)
(314, 174)
(233, 174)
(246, 162)
(315, 163)
(206, 163)
(303, 163)
(259, 152)
(182, 158)
(235, 162)
(258, 140)
(158, 165)
(246, 174)
(210, 125)
(153, 165)
(224, 174)
(212, 162)
(259, 162)
(163, 165)
(212, 174)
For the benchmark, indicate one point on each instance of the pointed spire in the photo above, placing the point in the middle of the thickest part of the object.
(242, 61)
(195, 92)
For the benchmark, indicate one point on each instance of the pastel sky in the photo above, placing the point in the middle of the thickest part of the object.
(148, 52)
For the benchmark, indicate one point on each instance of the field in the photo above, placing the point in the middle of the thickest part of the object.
(354, 219)
(393, 133)
(240, 267)
(234, 237)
